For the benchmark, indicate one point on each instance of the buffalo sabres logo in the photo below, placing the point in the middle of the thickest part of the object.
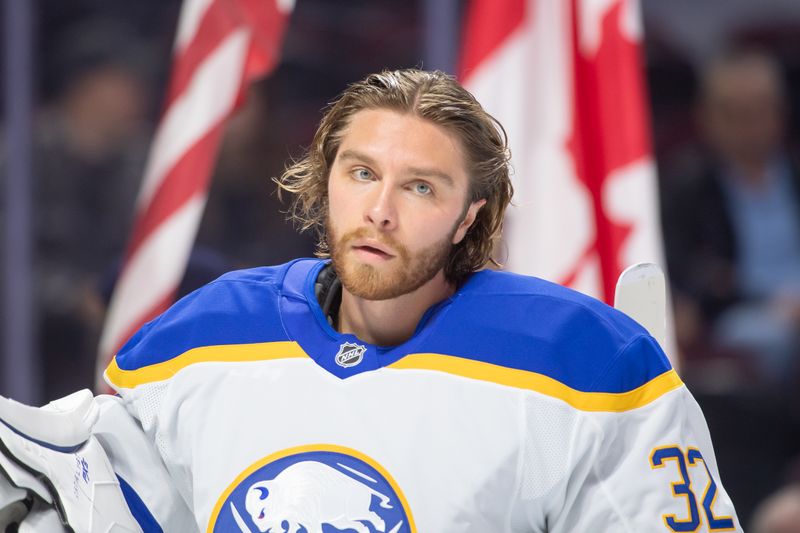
(350, 354)
(314, 489)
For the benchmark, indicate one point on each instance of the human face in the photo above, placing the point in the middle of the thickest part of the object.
(397, 196)
(743, 113)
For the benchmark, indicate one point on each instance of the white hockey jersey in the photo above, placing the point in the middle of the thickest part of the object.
(517, 406)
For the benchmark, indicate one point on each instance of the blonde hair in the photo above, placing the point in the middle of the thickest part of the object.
(433, 96)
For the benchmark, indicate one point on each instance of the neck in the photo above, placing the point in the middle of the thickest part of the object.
(390, 322)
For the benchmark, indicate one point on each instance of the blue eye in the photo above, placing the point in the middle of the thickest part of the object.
(362, 174)
(422, 188)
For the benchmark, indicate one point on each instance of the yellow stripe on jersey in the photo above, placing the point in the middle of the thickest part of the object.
(234, 353)
(468, 368)
(523, 379)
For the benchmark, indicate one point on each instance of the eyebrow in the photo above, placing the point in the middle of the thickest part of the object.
(421, 172)
(432, 172)
(357, 156)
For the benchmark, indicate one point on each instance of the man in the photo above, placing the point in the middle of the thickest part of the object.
(732, 226)
(400, 387)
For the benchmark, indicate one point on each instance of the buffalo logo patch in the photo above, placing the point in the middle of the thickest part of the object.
(312, 489)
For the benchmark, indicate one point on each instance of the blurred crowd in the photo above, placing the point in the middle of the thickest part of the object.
(732, 224)
(726, 142)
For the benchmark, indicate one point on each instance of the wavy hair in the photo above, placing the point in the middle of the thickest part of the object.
(433, 96)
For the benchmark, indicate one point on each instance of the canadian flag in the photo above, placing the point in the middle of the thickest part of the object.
(565, 79)
(220, 47)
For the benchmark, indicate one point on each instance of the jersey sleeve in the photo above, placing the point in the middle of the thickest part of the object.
(646, 465)
(149, 490)
(148, 432)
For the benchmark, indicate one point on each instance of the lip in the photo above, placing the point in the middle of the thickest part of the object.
(373, 247)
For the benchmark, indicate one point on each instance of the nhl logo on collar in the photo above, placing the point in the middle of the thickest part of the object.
(350, 354)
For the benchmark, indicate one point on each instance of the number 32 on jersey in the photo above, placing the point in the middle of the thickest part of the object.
(682, 488)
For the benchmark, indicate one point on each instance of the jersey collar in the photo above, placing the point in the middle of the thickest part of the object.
(342, 354)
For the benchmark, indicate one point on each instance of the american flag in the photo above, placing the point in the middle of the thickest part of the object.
(220, 47)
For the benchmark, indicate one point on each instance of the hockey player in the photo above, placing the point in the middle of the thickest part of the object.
(397, 387)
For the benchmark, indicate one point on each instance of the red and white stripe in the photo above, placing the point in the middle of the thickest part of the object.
(220, 46)
(564, 77)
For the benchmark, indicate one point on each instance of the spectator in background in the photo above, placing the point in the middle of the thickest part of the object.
(732, 224)
(244, 219)
(89, 147)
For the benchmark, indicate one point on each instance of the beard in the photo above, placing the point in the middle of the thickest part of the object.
(404, 274)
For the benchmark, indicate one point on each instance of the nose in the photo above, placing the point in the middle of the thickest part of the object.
(381, 210)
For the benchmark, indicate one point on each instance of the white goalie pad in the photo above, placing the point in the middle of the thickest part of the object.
(50, 451)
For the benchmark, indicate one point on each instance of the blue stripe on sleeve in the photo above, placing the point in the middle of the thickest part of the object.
(138, 509)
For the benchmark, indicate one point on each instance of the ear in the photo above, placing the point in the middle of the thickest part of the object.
(469, 219)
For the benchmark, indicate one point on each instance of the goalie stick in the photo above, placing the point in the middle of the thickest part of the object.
(641, 294)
